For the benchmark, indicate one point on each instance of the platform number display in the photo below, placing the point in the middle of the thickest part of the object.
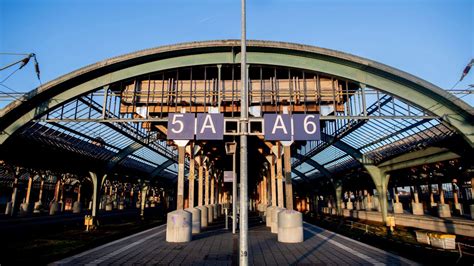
(181, 126)
(306, 127)
(295, 127)
(204, 127)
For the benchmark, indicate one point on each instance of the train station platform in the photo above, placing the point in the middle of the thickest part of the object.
(217, 246)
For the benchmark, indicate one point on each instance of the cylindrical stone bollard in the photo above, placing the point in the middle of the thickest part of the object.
(109, 206)
(215, 211)
(204, 214)
(275, 212)
(38, 207)
(269, 215)
(210, 214)
(397, 207)
(290, 226)
(179, 226)
(54, 208)
(417, 208)
(76, 207)
(24, 209)
(196, 219)
(444, 211)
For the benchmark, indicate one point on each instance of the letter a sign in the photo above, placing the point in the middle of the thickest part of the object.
(277, 127)
(210, 126)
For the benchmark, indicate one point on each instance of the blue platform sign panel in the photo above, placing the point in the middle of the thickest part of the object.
(181, 126)
(277, 126)
(306, 126)
(210, 127)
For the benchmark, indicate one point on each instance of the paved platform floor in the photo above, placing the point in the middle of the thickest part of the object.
(217, 246)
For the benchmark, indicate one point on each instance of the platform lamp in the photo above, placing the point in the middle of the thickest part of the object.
(230, 149)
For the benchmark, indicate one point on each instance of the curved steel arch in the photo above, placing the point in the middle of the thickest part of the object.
(412, 89)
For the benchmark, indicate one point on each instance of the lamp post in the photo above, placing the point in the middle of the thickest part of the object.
(243, 145)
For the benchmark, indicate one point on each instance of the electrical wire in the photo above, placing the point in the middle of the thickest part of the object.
(11, 74)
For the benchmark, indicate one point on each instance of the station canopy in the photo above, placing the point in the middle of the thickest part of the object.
(112, 115)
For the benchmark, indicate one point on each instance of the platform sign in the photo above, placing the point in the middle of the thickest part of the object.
(277, 126)
(210, 127)
(306, 127)
(228, 176)
(181, 126)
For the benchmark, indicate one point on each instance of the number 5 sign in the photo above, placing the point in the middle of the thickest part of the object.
(181, 126)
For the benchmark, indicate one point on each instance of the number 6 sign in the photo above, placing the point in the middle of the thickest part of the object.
(306, 127)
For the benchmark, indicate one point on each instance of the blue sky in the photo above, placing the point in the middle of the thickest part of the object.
(432, 39)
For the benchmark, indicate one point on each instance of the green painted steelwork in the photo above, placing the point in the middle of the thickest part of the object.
(122, 154)
(427, 96)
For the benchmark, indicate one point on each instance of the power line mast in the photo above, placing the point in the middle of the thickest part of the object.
(243, 145)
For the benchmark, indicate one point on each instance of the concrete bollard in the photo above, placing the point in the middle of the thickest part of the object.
(8, 209)
(349, 205)
(269, 215)
(54, 208)
(196, 219)
(459, 209)
(204, 215)
(397, 207)
(275, 212)
(444, 211)
(38, 206)
(25, 209)
(290, 226)
(215, 211)
(264, 213)
(210, 214)
(76, 207)
(417, 208)
(109, 206)
(179, 226)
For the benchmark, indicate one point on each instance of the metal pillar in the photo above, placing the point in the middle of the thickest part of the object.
(338, 194)
(200, 187)
(234, 194)
(213, 190)
(28, 190)
(271, 161)
(279, 178)
(191, 178)
(143, 197)
(206, 189)
(288, 184)
(243, 146)
(14, 197)
(180, 202)
(96, 184)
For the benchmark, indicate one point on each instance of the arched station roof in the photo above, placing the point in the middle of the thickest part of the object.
(449, 109)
